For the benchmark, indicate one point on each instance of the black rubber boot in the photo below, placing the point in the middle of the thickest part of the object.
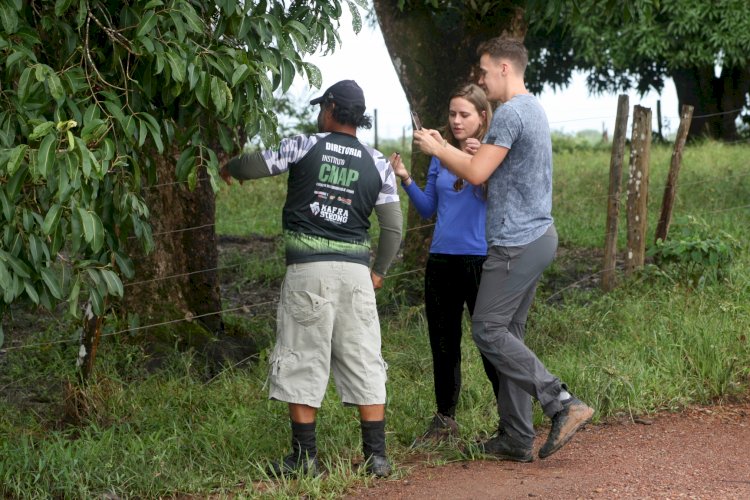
(373, 446)
(304, 456)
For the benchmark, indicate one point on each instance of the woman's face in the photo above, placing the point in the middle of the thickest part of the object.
(463, 118)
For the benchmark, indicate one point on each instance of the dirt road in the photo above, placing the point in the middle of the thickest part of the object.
(699, 453)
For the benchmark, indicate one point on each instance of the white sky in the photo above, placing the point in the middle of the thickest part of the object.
(363, 57)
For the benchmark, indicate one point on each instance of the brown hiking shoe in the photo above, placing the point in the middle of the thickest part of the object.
(574, 415)
(441, 428)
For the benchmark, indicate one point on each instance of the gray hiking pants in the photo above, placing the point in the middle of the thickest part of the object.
(506, 291)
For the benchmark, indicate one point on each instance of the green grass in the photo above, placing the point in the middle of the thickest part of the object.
(657, 342)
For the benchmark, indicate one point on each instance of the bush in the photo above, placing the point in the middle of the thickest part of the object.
(696, 251)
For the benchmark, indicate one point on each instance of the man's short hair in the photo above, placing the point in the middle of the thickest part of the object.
(504, 47)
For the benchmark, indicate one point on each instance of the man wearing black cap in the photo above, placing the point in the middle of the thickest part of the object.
(327, 319)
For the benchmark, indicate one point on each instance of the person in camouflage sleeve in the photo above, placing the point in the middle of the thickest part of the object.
(327, 319)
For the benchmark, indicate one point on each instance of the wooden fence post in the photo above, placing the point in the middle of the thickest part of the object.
(667, 203)
(640, 153)
(613, 200)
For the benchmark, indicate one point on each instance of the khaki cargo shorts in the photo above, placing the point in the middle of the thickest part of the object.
(327, 321)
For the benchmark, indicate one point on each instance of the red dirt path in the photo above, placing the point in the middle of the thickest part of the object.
(699, 453)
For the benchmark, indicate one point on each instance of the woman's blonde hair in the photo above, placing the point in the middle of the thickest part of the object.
(476, 96)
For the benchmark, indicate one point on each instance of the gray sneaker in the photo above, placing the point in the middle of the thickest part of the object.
(504, 447)
(566, 422)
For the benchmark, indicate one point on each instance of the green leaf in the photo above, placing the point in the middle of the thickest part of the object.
(97, 303)
(5, 280)
(16, 157)
(116, 111)
(179, 25)
(114, 285)
(287, 74)
(31, 291)
(53, 282)
(142, 132)
(93, 230)
(19, 267)
(225, 138)
(16, 182)
(73, 298)
(52, 219)
(217, 95)
(192, 179)
(46, 156)
(9, 18)
(147, 23)
(203, 90)
(177, 64)
(94, 130)
(125, 265)
(185, 163)
(240, 74)
(194, 22)
(99, 283)
(41, 130)
(109, 149)
(153, 127)
(147, 43)
(56, 89)
(85, 156)
(61, 6)
(25, 83)
(36, 249)
(9, 208)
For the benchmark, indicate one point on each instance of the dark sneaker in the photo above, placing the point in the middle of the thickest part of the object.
(294, 465)
(441, 428)
(378, 465)
(504, 447)
(574, 415)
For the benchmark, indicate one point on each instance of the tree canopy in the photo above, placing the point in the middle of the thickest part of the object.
(94, 92)
(703, 46)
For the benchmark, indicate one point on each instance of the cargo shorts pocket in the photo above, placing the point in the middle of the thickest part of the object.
(304, 307)
(281, 357)
(364, 306)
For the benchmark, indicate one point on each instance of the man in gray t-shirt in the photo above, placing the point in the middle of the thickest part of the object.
(515, 160)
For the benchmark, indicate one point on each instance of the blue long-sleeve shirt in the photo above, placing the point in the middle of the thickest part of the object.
(461, 215)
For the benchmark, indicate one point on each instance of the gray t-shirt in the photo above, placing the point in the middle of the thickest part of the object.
(519, 198)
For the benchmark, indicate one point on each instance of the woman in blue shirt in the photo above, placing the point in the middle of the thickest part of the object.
(457, 252)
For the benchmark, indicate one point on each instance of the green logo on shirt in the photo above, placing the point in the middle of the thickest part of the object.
(340, 176)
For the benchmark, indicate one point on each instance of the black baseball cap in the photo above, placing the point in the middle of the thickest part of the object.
(345, 93)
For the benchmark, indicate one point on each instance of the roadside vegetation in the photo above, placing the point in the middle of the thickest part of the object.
(671, 335)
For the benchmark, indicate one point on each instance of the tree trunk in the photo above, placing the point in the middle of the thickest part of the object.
(433, 53)
(176, 281)
(717, 100)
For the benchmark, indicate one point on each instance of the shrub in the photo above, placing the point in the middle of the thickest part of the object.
(696, 251)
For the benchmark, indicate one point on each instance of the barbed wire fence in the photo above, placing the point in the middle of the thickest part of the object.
(249, 307)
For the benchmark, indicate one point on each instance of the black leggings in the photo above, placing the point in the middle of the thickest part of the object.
(450, 282)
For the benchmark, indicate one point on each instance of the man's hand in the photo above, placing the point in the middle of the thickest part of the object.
(226, 176)
(377, 280)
